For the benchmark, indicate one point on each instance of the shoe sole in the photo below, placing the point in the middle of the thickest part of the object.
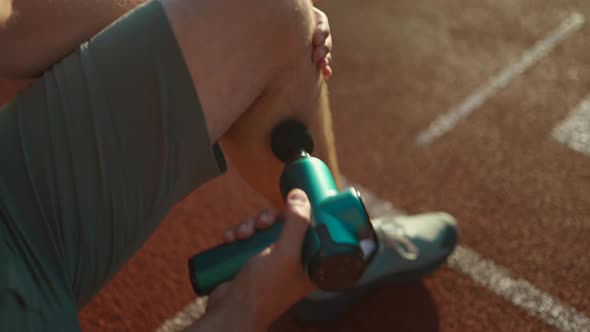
(317, 310)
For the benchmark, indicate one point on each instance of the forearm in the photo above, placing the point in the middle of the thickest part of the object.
(41, 32)
(226, 317)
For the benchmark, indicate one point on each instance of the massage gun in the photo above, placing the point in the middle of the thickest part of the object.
(340, 242)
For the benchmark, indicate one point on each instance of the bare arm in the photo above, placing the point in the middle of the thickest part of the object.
(41, 32)
(222, 319)
(226, 317)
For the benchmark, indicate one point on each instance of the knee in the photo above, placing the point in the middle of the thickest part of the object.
(287, 25)
(298, 21)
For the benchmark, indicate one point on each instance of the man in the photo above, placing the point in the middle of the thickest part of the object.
(116, 131)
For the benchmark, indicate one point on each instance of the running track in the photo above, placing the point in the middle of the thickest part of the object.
(480, 109)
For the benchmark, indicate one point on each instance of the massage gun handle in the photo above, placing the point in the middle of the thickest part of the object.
(217, 265)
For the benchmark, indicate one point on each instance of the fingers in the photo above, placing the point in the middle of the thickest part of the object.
(240, 232)
(327, 71)
(322, 43)
(324, 65)
(266, 218)
(319, 53)
(321, 35)
(248, 227)
(325, 61)
(297, 220)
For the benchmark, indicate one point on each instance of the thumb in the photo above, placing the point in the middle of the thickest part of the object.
(218, 294)
(297, 220)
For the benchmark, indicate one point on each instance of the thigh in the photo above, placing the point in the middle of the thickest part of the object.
(251, 64)
(236, 50)
(300, 94)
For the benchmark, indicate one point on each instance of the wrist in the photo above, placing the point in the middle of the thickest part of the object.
(248, 312)
(244, 320)
(224, 317)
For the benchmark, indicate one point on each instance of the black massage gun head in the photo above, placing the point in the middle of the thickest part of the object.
(289, 139)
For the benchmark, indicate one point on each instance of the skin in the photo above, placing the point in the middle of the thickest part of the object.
(255, 107)
(5, 11)
(268, 75)
(28, 57)
(247, 298)
(257, 296)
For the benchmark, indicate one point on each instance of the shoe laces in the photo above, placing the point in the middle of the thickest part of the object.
(394, 236)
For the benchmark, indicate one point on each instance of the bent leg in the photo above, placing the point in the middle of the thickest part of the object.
(302, 96)
(251, 76)
(107, 141)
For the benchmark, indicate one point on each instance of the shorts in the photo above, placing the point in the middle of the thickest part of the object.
(93, 155)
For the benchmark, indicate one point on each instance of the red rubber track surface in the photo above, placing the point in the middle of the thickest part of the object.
(521, 198)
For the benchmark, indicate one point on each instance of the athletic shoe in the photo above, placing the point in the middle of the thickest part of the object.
(411, 247)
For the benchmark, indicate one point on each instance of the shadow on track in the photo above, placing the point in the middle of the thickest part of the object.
(403, 307)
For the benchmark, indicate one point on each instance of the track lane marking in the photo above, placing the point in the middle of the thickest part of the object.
(449, 120)
(184, 318)
(496, 278)
(574, 130)
(485, 272)
(517, 291)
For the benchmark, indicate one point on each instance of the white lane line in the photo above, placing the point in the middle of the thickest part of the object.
(447, 121)
(574, 131)
(519, 292)
(495, 278)
(184, 318)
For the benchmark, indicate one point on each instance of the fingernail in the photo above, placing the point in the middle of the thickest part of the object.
(318, 39)
(267, 216)
(245, 227)
(318, 55)
(229, 235)
(298, 196)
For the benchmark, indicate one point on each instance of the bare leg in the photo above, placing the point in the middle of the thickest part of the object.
(247, 143)
(251, 76)
(41, 32)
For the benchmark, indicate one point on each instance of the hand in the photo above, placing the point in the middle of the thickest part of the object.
(322, 43)
(273, 281)
(248, 226)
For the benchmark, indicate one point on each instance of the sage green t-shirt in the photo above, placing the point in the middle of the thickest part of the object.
(92, 157)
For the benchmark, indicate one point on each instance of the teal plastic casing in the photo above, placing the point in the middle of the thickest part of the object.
(332, 254)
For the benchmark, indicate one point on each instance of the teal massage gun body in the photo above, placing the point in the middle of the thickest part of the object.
(338, 245)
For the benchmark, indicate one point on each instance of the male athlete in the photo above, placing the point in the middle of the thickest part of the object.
(131, 106)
